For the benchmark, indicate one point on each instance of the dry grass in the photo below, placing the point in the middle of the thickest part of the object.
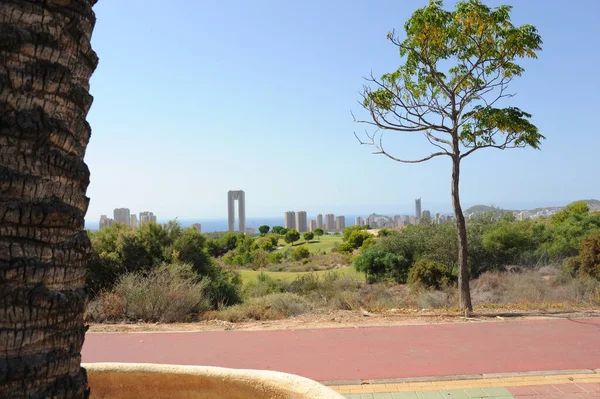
(269, 307)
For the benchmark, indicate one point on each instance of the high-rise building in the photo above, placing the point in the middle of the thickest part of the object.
(301, 221)
(105, 222)
(418, 208)
(122, 215)
(340, 223)
(329, 222)
(240, 197)
(289, 220)
(250, 230)
(358, 221)
(312, 225)
(133, 221)
(426, 216)
(147, 217)
(198, 227)
(319, 221)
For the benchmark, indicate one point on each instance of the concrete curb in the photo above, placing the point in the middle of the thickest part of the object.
(460, 377)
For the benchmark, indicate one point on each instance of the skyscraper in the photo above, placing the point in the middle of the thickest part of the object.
(329, 222)
(240, 197)
(147, 217)
(358, 221)
(133, 222)
(312, 226)
(122, 215)
(198, 227)
(340, 223)
(319, 221)
(289, 220)
(426, 216)
(301, 221)
(105, 222)
(418, 208)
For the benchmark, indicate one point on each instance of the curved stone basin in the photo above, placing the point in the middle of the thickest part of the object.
(158, 381)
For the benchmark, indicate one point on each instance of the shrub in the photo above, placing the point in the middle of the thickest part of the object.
(264, 285)
(379, 265)
(269, 307)
(430, 274)
(167, 294)
(299, 253)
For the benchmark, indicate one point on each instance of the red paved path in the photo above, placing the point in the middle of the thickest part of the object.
(369, 353)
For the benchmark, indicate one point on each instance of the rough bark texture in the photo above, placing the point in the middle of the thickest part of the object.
(464, 291)
(45, 65)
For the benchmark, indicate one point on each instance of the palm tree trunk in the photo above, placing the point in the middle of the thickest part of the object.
(464, 291)
(45, 65)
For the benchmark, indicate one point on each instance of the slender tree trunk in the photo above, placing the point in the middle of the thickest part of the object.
(45, 65)
(464, 291)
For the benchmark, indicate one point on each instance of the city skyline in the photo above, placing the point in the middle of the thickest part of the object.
(187, 134)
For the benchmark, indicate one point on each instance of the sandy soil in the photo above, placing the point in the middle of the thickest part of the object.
(350, 319)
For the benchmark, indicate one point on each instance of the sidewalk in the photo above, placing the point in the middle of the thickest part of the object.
(581, 385)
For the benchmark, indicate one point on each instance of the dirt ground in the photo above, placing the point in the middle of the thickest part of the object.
(350, 319)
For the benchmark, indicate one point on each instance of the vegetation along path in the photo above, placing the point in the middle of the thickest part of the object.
(369, 353)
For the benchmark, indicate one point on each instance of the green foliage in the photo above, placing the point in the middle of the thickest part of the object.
(380, 265)
(568, 227)
(344, 248)
(277, 230)
(319, 232)
(291, 236)
(168, 293)
(430, 274)
(587, 263)
(119, 250)
(369, 242)
(300, 253)
(573, 210)
(510, 242)
(384, 233)
(283, 231)
(264, 229)
(309, 235)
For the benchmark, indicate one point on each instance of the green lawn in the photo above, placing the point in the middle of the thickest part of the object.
(325, 244)
(251, 275)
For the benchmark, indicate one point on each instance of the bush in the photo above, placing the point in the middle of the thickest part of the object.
(269, 307)
(167, 294)
(379, 265)
(300, 253)
(264, 285)
(430, 274)
(587, 263)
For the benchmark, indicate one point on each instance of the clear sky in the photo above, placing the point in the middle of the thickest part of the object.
(194, 98)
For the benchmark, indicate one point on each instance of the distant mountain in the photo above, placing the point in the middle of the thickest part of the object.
(593, 204)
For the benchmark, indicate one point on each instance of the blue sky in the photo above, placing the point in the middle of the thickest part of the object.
(194, 98)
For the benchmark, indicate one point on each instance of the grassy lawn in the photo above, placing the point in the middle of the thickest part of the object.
(325, 244)
(251, 275)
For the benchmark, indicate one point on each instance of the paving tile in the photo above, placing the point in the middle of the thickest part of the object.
(353, 396)
(429, 395)
(590, 386)
(476, 393)
(543, 390)
(382, 395)
(366, 396)
(569, 388)
(454, 394)
(497, 392)
(522, 390)
(404, 395)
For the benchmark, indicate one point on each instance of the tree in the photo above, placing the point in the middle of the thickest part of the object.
(457, 69)
(319, 232)
(283, 231)
(309, 235)
(264, 229)
(277, 229)
(291, 236)
(45, 65)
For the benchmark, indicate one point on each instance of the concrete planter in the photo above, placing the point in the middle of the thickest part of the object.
(157, 381)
